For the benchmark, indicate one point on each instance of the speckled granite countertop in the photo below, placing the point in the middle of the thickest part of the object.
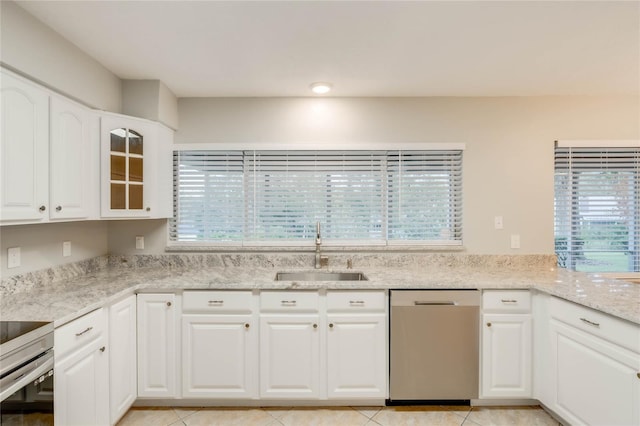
(61, 299)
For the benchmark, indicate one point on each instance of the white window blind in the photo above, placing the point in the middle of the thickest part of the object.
(425, 196)
(359, 197)
(597, 210)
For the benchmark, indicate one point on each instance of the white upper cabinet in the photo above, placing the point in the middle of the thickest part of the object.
(135, 163)
(24, 151)
(71, 194)
(49, 156)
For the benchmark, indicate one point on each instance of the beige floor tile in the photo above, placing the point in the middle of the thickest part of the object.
(509, 416)
(229, 417)
(159, 416)
(368, 411)
(340, 416)
(277, 412)
(419, 416)
(184, 412)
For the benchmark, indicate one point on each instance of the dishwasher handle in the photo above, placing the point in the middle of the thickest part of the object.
(435, 303)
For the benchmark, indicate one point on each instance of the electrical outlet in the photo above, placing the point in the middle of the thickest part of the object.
(497, 222)
(139, 242)
(515, 241)
(66, 249)
(13, 257)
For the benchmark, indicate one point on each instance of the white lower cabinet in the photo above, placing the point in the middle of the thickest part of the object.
(595, 376)
(157, 345)
(220, 356)
(81, 371)
(122, 357)
(356, 356)
(506, 355)
(507, 344)
(290, 356)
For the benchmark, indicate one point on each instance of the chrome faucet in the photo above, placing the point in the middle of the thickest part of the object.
(318, 243)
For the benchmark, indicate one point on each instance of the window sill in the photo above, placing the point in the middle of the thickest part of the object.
(311, 249)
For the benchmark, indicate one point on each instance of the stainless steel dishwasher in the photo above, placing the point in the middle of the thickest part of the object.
(434, 346)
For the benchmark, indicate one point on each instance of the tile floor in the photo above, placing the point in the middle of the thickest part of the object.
(339, 416)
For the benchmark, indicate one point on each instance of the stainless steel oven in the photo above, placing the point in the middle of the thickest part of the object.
(26, 373)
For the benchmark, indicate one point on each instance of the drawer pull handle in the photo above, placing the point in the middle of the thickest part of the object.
(216, 302)
(102, 349)
(85, 331)
(356, 302)
(509, 300)
(289, 302)
(595, 324)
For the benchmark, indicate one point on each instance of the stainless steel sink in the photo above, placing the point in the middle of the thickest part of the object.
(320, 276)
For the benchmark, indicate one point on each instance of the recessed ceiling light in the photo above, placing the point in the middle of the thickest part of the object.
(320, 88)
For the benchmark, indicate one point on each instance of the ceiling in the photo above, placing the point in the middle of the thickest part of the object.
(379, 48)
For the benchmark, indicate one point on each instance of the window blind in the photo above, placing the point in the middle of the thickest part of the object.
(597, 210)
(259, 197)
(425, 195)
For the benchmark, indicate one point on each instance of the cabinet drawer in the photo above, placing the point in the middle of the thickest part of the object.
(80, 332)
(217, 302)
(356, 301)
(615, 330)
(289, 301)
(506, 301)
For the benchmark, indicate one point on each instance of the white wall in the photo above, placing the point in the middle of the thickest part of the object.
(41, 244)
(508, 163)
(33, 49)
(150, 99)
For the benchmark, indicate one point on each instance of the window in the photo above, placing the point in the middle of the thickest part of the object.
(273, 197)
(597, 210)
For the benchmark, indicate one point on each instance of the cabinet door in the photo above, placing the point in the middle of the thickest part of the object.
(289, 356)
(81, 386)
(219, 356)
(506, 356)
(356, 350)
(24, 151)
(157, 345)
(127, 155)
(122, 358)
(70, 159)
(595, 382)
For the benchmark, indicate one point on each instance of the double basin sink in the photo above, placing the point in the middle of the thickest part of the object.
(320, 276)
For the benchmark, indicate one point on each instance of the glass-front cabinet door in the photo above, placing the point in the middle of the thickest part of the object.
(127, 166)
(126, 154)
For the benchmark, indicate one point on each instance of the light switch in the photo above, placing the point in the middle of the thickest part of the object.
(515, 241)
(13, 257)
(66, 248)
(139, 242)
(497, 222)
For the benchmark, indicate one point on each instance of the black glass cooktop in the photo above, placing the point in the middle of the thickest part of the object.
(10, 330)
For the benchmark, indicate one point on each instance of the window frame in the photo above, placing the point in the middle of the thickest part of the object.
(344, 244)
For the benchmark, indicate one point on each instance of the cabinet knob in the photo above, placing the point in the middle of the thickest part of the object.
(168, 303)
(315, 325)
(59, 208)
(102, 349)
(42, 208)
(638, 375)
(488, 324)
(148, 209)
(247, 325)
(331, 325)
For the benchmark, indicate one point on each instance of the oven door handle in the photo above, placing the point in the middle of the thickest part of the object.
(24, 376)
